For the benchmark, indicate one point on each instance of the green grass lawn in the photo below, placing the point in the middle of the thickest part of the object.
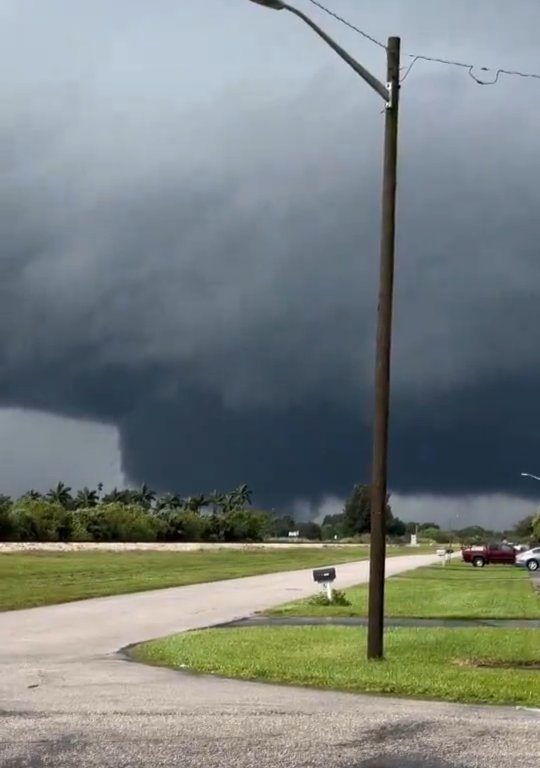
(456, 591)
(429, 664)
(38, 578)
(33, 579)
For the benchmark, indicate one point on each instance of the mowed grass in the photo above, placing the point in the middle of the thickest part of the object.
(32, 579)
(420, 663)
(455, 591)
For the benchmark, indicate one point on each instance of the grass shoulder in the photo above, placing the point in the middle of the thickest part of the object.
(455, 591)
(459, 665)
(36, 578)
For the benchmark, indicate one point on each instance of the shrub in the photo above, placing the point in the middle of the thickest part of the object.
(120, 522)
(243, 525)
(536, 529)
(338, 598)
(434, 534)
(310, 530)
(184, 526)
(41, 520)
(7, 528)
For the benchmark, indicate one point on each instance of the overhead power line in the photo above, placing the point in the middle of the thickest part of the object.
(348, 24)
(470, 68)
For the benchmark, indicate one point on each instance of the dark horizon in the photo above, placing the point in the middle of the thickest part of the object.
(190, 247)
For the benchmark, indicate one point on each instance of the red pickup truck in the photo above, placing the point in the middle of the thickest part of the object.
(501, 554)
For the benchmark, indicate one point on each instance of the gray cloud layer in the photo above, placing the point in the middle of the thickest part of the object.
(189, 248)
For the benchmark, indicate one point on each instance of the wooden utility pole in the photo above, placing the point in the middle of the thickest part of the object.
(375, 649)
(390, 94)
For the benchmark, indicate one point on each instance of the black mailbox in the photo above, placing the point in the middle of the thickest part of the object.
(322, 575)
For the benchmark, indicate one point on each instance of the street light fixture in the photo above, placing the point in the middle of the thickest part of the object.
(277, 4)
(526, 474)
(390, 95)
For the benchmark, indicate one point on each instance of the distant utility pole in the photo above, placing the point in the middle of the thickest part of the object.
(390, 94)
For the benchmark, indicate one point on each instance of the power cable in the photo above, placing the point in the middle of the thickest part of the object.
(470, 68)
(348, 24)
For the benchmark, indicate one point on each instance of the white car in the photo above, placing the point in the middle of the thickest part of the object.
(529, 559)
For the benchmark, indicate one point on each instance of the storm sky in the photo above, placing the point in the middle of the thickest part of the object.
(190, 221)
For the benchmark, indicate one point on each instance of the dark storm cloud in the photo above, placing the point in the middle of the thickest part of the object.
(204, 276)
(469, 442)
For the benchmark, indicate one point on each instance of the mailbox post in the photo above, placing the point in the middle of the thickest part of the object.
(325, 577)
(445, 555)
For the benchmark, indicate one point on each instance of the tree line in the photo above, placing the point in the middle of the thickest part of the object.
(355, 520)
(131, 515)
(528, 529)
(144, 497)
(141, 514)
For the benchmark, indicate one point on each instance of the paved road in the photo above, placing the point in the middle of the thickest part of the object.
(68, 699)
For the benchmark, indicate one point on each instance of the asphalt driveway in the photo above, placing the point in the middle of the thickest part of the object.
(68, 699)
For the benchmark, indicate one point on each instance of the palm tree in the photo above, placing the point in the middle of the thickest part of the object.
(116, 497)
(229, 502)
(215, 500)
(168, 501)
(60, 495)
(194, 503)
(145, 496)
(32, 495)
(86, 498)
(242, 496)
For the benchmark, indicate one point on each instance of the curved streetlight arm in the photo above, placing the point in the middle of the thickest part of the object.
(384, 91)
(527, 474)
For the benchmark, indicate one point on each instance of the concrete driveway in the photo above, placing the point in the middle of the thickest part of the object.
(68, 699)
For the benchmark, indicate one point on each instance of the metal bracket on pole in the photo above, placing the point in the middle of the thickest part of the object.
(390, 100)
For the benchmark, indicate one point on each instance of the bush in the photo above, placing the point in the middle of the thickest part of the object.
(310, 530)
(536, 529)
(7, 528)
(434, 534)
(120, 522)
(243, 525)
(40, 520)
(184, 526)
(338, 598)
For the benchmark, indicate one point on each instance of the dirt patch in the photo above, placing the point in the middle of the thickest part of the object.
(533, 666)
